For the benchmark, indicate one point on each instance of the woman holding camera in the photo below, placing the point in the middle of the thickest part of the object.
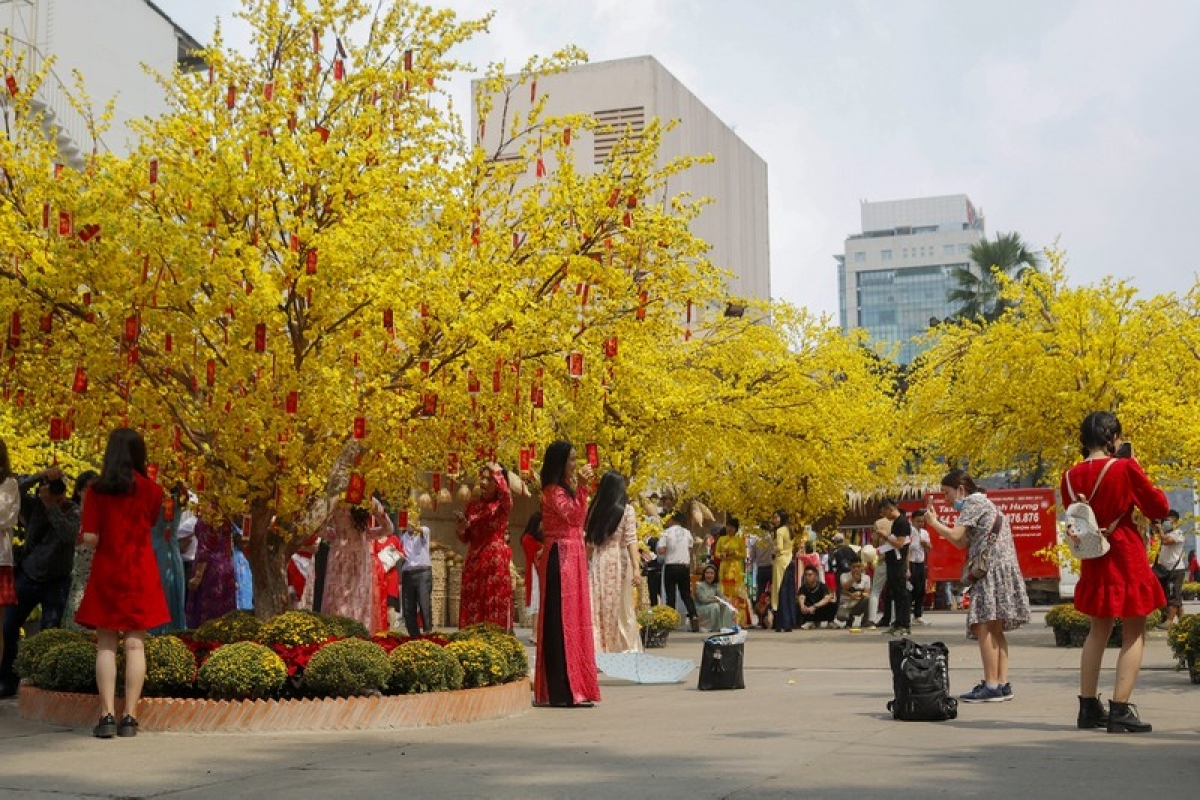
(1118, 584)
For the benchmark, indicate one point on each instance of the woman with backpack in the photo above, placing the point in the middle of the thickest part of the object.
(1120, 583)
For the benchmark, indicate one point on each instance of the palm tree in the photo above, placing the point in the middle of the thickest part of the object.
(977, 294)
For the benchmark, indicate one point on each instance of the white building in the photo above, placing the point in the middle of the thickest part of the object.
(108, 42)
(893, 278)
(632, 91)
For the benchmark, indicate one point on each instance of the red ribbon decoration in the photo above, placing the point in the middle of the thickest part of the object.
(310, 263)
(610, 347)
(210, 372)
(292, 402)
(80, 384)
(360, 427)
(260, 337)
(354, 492)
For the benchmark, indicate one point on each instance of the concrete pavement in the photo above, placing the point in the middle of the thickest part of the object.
(811, 721)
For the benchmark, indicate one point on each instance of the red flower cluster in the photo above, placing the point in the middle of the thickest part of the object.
(296, 657)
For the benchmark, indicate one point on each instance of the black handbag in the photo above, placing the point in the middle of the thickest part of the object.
(721, 666)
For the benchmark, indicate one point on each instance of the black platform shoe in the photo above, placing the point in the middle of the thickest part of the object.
(1123, 718)
(1092, 713)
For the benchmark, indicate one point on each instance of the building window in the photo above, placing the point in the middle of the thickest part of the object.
(860, 257)
(964, 248)
(886, 255)
(904, 252)
(947, 249)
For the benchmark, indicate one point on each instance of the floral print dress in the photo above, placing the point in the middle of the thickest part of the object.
(1001, 594)
(614, 614)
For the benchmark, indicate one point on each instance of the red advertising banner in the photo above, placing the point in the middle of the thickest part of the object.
(1032, 517)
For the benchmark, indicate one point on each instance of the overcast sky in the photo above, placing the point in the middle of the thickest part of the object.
(1068, 120)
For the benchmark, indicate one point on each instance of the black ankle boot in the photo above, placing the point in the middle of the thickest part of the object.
(1092, 713)
(1123, 718)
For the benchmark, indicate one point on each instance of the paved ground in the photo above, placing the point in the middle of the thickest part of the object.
(811, 721)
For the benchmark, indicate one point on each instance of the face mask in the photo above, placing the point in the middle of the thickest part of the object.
(1166, 526)
(958, 504)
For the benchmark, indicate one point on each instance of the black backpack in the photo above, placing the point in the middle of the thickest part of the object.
(921, 681)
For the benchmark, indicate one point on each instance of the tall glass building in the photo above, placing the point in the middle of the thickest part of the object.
(894, 277)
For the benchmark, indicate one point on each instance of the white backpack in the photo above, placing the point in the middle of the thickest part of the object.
(1084, 536)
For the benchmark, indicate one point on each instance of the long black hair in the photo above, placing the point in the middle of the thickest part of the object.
(783, 517)
(124, 455)
(554, 466)
(534, 527)
(607, 508)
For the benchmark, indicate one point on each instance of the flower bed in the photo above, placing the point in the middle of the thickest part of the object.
(297, 657)
(1071, 627)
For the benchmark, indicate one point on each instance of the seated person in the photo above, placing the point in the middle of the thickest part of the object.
(714, 615)
(816, 601)
(856, 594)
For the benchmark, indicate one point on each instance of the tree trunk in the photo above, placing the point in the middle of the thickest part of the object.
(269, 553)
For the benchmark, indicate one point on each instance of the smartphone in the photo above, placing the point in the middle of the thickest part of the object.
(593, 455)
(1125, 450)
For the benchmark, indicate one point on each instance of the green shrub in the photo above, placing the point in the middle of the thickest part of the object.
(1065, 617)
(346, 668)
(1191, 590)
(242, 670)
(482, 663)
(512, 652)
(422, 666)
(344, 627)
(294, 628)
(170, 666)
(32, 648)
(236, 626)
(68, 666)
(658, 618)
(1184, 638)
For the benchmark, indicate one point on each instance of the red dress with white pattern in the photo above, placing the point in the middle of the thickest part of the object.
(1119, 583)
(566, 655)
(486, 584)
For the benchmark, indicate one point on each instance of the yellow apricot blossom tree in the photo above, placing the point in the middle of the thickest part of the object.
(305, 284)
(1011, 394)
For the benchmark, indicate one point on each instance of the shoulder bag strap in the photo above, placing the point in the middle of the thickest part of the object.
(1112, 526)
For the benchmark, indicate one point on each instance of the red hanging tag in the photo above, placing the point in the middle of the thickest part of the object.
(429, 403)
(452, 464)
(614, 197)
(360, 427)
(64, 223)
(575, 364)
(643, 299)
(536, 396)
(58, 170)
(260, 337)
(292, 403)
(168, 343)
(46, 322)
(80, 384)
(593, 454)
(339, 69)
(323, 132)
(11, 82)
(268, 90)
(133, 328)
(294, 242)
(496, 377)
(408, 60)
(627, 219)
(541, 168)
(210, 372)
(388, 319)
(632, 202)
(132, 355)
(610, 347)
(424, 367)
(231, 96)
(533, 90)
(316, 39)
(45, 216)
(356, 489)
(525, 459)
(472, 382)
(310, 263)
(153, 171)
(56, 429)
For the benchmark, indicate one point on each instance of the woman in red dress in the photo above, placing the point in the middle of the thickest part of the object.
(386, 587)
(1119, 583)
(566, 662)
(486, 584)
(124, 591)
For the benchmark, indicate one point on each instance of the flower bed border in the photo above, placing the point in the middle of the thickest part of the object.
(176, 715)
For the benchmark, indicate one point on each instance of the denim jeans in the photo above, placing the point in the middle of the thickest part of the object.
(51, 595)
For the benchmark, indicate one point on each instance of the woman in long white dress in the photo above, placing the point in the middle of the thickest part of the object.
(615, 568)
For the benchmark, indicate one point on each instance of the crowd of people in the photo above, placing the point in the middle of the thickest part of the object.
(124, 557)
